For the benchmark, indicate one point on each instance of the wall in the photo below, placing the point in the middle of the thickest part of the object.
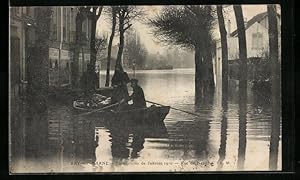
(64, 37)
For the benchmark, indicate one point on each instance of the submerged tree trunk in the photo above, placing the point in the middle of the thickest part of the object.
(91, 70)
(242, 85)
(111, 38)
(94, 16)
(224, 47)
(210, 73)
(242, 51)
(121, 45)
(198, 76)
(273, 45)
(75, 64)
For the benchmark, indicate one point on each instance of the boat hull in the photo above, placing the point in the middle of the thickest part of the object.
(149, 115)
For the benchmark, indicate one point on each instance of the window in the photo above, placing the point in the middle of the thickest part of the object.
(54, 32)
(54, 25)
(28, 11)
(13, 11)
(64, 24)
(257, 40)
(64, 33)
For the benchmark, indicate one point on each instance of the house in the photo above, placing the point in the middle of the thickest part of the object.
(257, 42)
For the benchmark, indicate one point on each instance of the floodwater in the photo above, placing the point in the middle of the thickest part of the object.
(217, 139)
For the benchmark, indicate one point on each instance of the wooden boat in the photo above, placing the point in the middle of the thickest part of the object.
(153, 114)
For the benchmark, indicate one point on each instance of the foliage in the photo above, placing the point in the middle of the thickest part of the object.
(100, 44)
(125, 15)
(186, 26)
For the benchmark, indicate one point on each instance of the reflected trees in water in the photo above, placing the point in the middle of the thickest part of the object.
(242, 85)
(276, 110)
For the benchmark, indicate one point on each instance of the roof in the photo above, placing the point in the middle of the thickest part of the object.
(257, 18)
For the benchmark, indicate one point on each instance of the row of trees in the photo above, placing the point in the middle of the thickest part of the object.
(121, 16)
(191, 27)
(275, 77)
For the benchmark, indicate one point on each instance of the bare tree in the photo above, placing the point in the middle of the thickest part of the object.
(100, 44)
(94, 15)
(125, 15)
(242, 47)
(224, 47)
(273, 49)
(112, 12)
(190, 27)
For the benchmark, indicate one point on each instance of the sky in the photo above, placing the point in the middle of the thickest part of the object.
(153, 45)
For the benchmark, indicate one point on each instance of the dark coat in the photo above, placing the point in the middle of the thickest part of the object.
(119, 93)
(138, 97)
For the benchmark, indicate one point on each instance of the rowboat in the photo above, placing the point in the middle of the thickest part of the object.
(149, 115)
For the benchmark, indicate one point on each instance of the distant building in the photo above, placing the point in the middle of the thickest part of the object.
(257, 39)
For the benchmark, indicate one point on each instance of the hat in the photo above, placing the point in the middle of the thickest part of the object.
(134, 81)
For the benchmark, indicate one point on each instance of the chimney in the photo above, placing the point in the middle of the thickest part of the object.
(228, 28)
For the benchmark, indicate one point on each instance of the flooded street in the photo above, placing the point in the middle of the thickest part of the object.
(218, 139)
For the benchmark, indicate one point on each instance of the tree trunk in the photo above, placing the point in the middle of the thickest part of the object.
(210, 72)
(93, 81)
(75, 64)
(273, 45)
(207, 71)
(224, 46)
(242, 85)
(121, 45)
(223, 139)
(111, 38)
(242, 52)
(198, 76)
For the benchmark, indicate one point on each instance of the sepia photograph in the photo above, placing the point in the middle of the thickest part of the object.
(145, 88)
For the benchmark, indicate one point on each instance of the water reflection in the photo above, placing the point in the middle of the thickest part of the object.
(85, 142)
(222, 149)
(121, 141)
(242, 128)
(217, 135)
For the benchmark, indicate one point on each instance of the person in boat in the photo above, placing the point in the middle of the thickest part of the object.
(137, 96)
(120, 95)
(119, 83)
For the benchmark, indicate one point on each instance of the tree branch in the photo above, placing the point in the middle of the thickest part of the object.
(127, 27)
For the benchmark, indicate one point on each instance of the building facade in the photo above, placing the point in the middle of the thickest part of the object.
(257, 43)
(63, 39)
(61, 44)
(23, 37)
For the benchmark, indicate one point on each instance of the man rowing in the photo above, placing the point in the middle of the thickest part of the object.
(137, 96)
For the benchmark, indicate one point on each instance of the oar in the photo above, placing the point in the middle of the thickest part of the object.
(98, 109)
(175, 109)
